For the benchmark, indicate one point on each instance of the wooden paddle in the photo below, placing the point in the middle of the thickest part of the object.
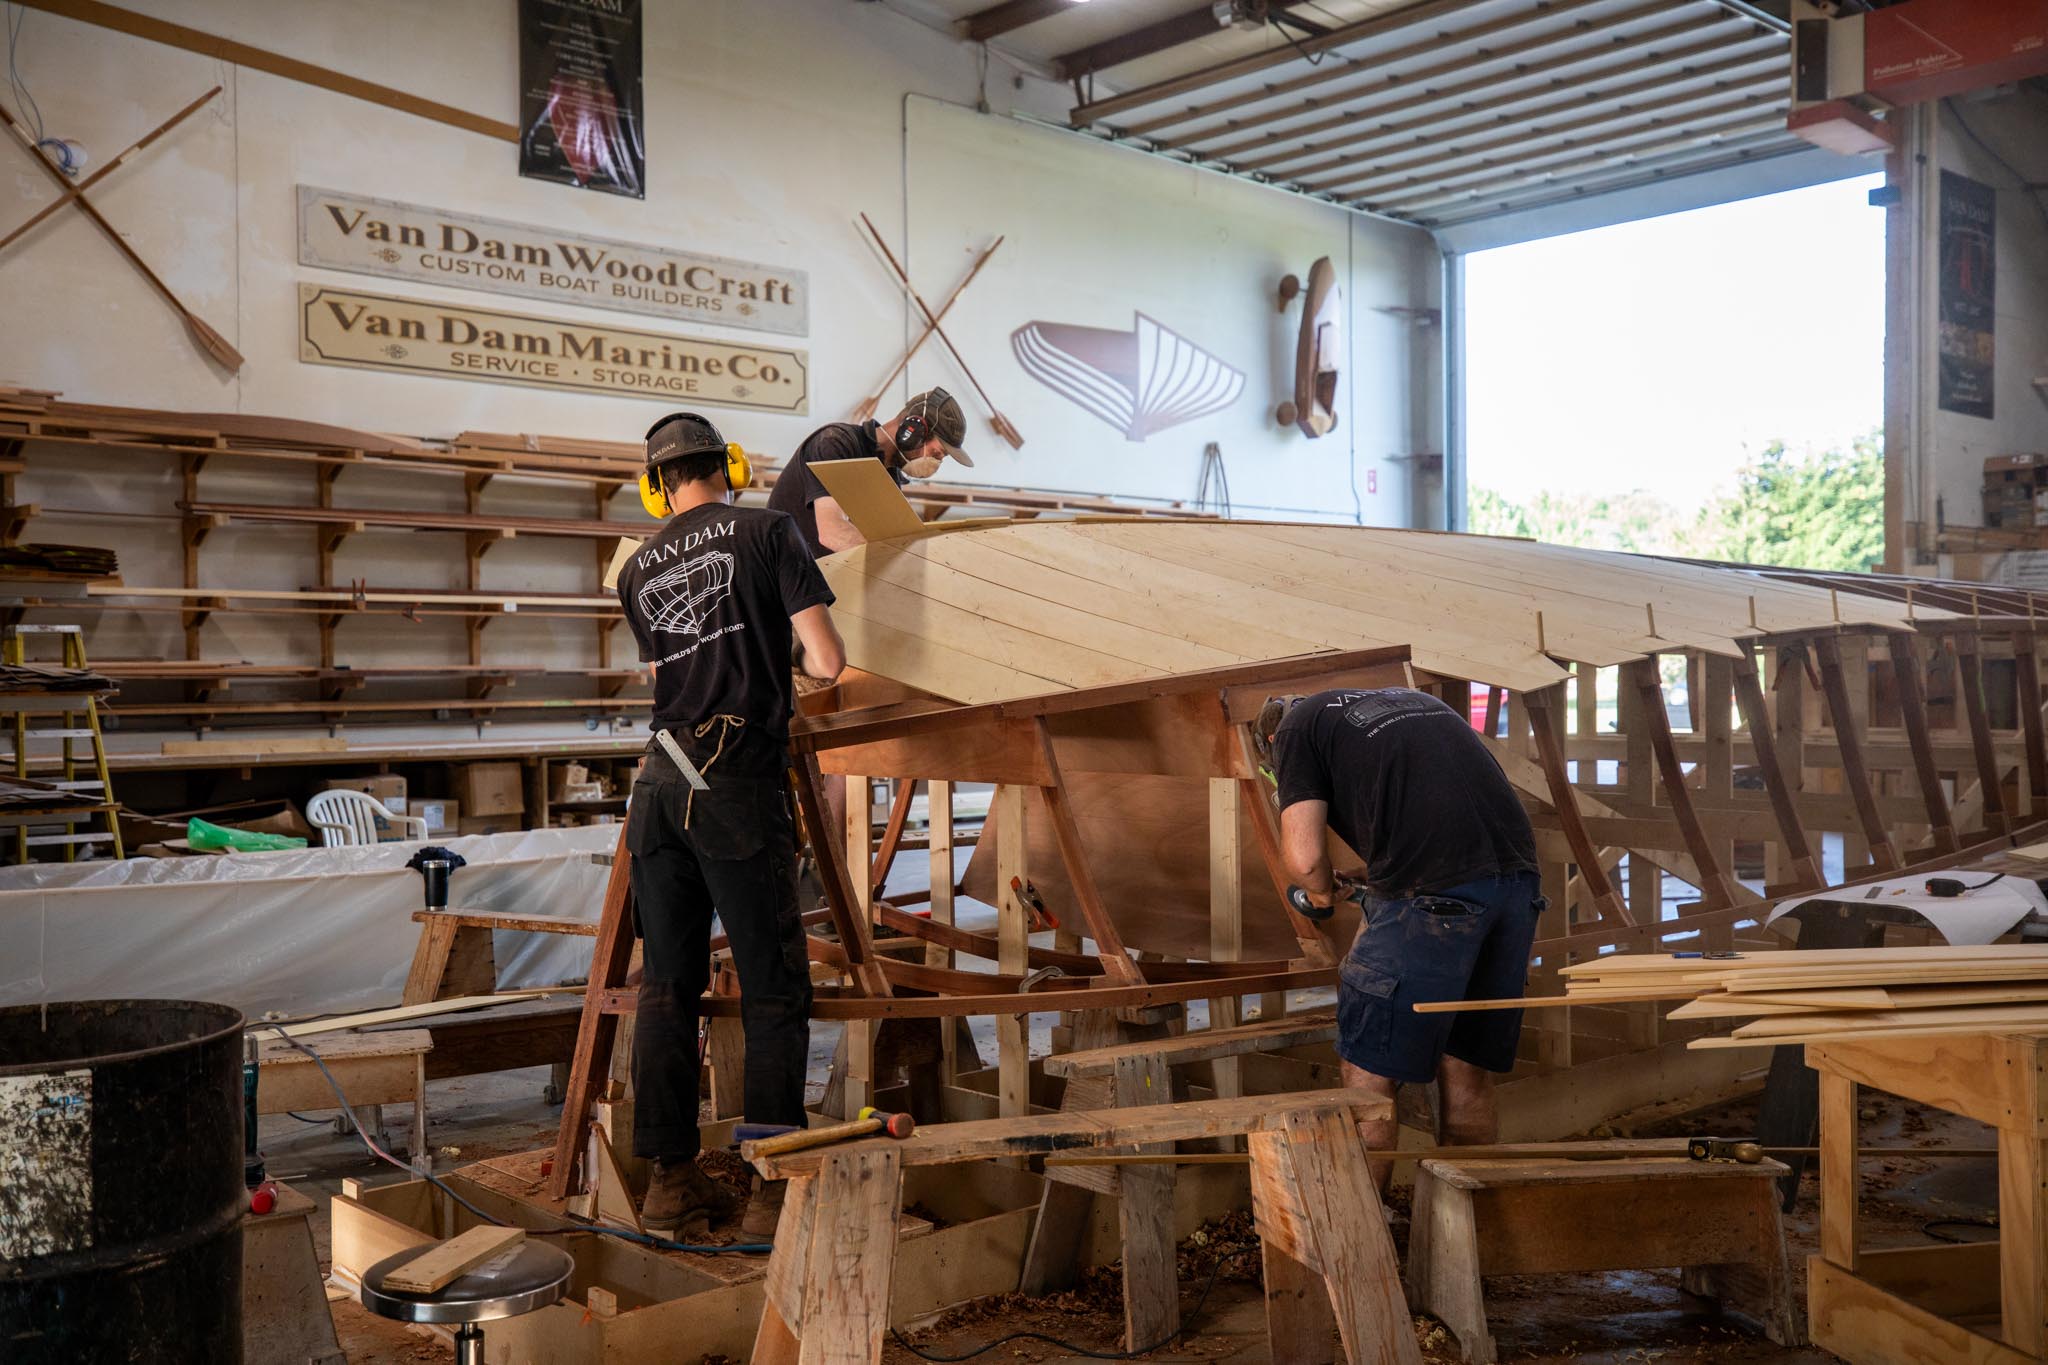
(71, 192)
(868, 405)
(211, 341)
(1002, 424)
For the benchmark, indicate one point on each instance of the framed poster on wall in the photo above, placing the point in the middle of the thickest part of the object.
(1969, 253)
(582, 114)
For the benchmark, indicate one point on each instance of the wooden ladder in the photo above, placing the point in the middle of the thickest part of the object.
(70, 706)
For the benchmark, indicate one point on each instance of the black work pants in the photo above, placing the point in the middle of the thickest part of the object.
(735, 857)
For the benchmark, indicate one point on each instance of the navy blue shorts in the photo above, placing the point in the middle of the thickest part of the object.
(1468, 942)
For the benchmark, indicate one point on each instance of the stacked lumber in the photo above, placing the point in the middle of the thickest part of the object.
(1822, 995)
(90, 560)
(16, 678)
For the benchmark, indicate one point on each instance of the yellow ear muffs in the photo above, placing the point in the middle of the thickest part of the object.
(653, 496)
(739, 470)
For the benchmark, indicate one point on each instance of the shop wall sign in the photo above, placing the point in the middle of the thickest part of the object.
(339, 231)
(446, 341)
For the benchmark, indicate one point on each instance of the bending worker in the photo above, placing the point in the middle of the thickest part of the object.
(911, 445)
(714, 599)
(1450, 892)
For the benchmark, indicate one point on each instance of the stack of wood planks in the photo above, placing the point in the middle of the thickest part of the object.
(1820, 995)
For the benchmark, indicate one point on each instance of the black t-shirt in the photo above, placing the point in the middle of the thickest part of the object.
(709, 598)
(1411, 788)
(797, 489)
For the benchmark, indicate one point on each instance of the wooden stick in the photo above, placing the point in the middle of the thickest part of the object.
(868, 405)
(1002, 424)
(1532, 1152)
(209, 340)
(73, 191)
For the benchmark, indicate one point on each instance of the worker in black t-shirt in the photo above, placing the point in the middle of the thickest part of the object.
(717, 599)
(1449, 890)
(913, 444)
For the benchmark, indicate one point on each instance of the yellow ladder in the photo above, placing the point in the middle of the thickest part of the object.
(71, 707)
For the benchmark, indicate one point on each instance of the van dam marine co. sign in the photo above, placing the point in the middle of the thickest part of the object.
(419, 336)
(411, 242)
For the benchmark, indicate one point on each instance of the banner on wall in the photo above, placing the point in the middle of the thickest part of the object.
(581, 110)
(1969, 242)
(340, 231)
(443, 341)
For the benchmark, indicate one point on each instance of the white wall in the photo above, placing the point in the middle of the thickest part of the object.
(771, 124)
(2016, 127)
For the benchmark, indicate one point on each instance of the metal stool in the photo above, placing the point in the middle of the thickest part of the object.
(532, 1275)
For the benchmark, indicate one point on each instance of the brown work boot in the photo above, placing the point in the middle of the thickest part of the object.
(764, 1210)
(681, 1197)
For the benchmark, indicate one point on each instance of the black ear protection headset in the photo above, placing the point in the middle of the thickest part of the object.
(916, 427)
(701, 438)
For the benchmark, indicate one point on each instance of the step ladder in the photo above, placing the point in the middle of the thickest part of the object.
(77, 717)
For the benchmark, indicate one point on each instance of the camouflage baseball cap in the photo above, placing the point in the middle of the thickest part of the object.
(942, 411)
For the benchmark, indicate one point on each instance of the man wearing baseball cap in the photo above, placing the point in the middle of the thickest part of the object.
(913, 444)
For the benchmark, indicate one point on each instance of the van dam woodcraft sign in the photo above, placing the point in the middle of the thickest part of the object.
(412, 242)
(376, 331)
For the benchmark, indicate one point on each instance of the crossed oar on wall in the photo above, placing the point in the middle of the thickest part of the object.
(996, 419)
(212, 342)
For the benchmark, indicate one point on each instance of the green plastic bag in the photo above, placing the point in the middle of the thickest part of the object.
(208, 837)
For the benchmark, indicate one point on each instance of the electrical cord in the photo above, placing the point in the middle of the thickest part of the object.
(568, 1229)
(1187, 1325)
(60, 150)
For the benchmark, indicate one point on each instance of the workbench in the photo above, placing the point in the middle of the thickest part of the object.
(1984, 1303)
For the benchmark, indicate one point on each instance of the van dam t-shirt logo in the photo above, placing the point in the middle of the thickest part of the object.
(680, 600)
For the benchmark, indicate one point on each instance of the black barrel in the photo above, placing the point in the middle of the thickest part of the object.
(121, 1195)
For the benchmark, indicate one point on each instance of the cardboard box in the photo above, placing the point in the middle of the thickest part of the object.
(385, 787)
(488, 824)
(563, 776)
(442, 814)
(491, 789)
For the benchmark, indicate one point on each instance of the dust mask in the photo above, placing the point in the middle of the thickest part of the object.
(923, 467)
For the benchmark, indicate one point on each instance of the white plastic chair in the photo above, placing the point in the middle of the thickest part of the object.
(346, 817)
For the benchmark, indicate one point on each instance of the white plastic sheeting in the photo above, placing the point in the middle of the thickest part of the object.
(309, 931)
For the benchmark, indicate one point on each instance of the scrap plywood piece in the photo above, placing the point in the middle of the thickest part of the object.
(869, 497)
(440, 1266)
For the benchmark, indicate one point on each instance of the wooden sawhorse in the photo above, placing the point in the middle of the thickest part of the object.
(1328, 1257)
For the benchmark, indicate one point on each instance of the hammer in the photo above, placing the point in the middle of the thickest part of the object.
(870, 1121)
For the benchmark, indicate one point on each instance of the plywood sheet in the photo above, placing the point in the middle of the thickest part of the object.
(1007, 611)
(1147, 839)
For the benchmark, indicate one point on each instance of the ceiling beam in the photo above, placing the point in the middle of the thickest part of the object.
(1524, 146)
(1736, 153)
(1591, 165)
(997, 20)
(1278, 55)
(1158, 37)
(1442, 145)
(1469, 47)
(1498, 97)
(1580, 43)
(1139, 42)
